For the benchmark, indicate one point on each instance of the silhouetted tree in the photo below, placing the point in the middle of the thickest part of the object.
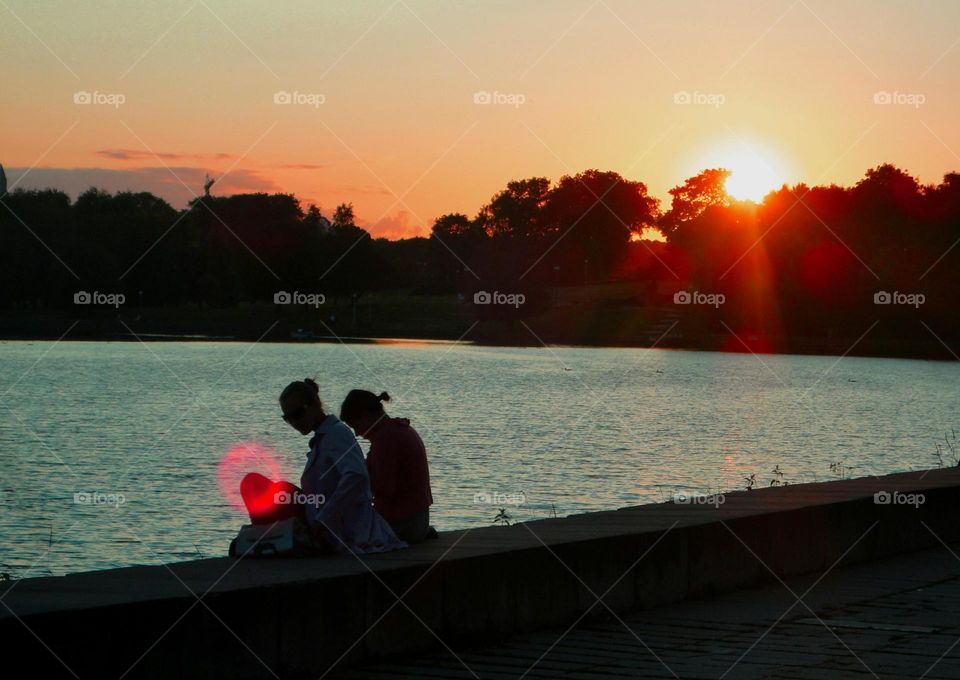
(695, 195)
(805, 262)
(454, 242)
(595, 214)
(343, 215)
(517, 211)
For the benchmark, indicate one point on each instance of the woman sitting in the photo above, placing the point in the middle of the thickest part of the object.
(397, 463)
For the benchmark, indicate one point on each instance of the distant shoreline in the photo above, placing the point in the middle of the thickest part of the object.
(887, 349)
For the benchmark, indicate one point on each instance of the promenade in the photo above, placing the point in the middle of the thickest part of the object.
(649, 566)
(897, 617)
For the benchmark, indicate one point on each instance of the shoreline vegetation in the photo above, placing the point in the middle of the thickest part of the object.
(591, 260)
(404, 317)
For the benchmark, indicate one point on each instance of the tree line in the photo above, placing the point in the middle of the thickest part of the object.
(807, 260)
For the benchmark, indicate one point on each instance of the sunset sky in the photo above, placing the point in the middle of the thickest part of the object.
(415, 108)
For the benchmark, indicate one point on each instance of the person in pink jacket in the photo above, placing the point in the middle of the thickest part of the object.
(397, 463)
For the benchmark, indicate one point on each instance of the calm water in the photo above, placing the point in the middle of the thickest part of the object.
(571, 429)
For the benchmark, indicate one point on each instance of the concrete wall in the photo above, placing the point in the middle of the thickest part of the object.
(297, 618)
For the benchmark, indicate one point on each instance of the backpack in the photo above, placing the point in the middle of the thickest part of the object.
(288, 538)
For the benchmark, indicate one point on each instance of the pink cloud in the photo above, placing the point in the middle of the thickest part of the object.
(361, 189)
(140, 155)
(396, 226)
(301, 166)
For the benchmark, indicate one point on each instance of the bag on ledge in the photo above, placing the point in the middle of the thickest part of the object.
(287, 538)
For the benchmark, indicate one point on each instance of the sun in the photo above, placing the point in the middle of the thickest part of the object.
(754, 170)
(751, 178)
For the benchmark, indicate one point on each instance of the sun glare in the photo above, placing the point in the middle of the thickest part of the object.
(754, 171)
(750, 177)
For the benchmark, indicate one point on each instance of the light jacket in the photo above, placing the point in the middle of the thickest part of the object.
(337, 489)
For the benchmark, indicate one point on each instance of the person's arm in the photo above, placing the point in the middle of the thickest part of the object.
(388, 470)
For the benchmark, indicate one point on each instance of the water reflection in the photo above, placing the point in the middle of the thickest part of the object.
(573, 429)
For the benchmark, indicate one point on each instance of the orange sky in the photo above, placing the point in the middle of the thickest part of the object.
(413, 108)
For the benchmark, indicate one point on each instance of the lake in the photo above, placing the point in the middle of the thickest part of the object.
(537, 432)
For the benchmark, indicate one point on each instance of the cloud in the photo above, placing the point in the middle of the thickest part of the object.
(159, 181)
(397, 226)
(302, 166)
(140, 155)
(362, 189)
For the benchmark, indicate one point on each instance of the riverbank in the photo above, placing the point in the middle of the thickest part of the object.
(444, 319)
(247, 618)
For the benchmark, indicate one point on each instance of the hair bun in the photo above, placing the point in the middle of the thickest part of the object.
(384, 396)
(313, 384)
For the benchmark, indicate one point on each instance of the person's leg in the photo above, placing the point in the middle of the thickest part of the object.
(268, 501)
(413, 529)
(310, 540)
